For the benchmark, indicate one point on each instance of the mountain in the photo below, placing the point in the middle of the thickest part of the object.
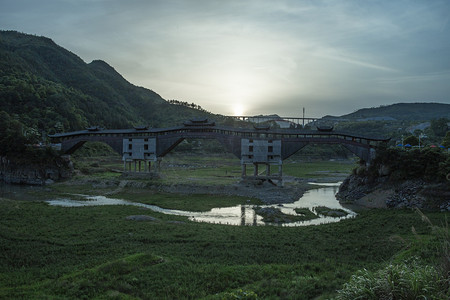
(47, 88)
(399, 111)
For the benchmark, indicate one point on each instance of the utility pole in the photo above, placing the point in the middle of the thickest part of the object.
(303, 117)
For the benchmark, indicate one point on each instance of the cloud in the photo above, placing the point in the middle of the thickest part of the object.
(269, 56)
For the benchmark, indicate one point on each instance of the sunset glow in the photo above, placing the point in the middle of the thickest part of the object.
(331, 57)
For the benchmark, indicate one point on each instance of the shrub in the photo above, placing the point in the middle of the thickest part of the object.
(430, 164)
(240, 294)
(408, 280)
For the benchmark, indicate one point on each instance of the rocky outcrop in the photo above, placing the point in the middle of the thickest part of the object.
(381, 192)
(14, 171)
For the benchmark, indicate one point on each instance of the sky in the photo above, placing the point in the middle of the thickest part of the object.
(256, 56)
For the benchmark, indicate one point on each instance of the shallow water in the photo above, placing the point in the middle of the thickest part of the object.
(18, 192)
(235, 215)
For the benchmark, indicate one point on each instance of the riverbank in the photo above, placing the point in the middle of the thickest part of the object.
(401, 179)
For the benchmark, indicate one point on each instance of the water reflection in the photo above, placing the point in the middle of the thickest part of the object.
(237, 215)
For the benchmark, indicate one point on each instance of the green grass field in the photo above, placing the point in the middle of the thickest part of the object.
(94, 252)
(49, 252)
(211, 169)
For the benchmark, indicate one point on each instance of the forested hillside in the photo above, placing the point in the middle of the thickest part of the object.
(401, 112)
(45, 88)
(398, 121)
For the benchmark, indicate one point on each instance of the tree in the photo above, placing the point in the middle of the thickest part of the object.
(418, 132)
(439, 127)
(446, 140)
(412, 140)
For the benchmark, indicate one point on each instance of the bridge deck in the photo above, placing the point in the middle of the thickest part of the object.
(210, 132)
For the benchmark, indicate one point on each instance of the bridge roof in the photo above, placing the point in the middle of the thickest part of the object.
(156, 131)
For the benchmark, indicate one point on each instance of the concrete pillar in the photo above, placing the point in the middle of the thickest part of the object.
(135, 165)
(158, 165)
(145, 166)
(140, 165)
(149, 166)
(255, 171)
(244, 170)
(124, 165)
(268, 170)
(280, 170)
(242, 215)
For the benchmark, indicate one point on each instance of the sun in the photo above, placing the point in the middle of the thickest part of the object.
(238, 110)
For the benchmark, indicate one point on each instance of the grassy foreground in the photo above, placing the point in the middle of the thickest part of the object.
(51, 252)
(95, 252)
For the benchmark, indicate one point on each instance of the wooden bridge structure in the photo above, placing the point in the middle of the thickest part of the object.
(253, 146)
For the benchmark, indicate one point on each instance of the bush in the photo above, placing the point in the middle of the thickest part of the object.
(429, 164)
(240, 294)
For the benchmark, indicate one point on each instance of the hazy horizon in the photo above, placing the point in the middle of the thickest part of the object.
(258, 57)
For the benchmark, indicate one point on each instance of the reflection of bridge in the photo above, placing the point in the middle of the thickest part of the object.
(258, 146)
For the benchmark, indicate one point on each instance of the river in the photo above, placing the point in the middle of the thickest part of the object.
(236, 215)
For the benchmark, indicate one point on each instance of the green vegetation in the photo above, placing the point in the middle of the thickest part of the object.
(439, 127)
(422, 271)
(306, 213)
(276, 216)
(397, 121)
(330, 212)
(315, 169)
(429, 164)
(404, 111)
(446, 140)
(408, 280)
(411, 140)
(95, 150)
(94, 252)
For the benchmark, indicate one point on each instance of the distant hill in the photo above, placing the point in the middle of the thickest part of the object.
(46, 87)
(399, 111)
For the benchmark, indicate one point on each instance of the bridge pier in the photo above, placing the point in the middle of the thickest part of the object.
(266, 152)
(138, 166)
(140, 152)
(244, 170)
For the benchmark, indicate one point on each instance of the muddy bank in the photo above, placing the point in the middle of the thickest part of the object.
(265, 191)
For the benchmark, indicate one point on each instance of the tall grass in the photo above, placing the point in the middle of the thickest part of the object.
(412, 278)
(407, 280)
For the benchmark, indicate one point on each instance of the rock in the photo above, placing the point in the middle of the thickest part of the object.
(413, 193)
(142, 218)
(49, 181)
(34, 173)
